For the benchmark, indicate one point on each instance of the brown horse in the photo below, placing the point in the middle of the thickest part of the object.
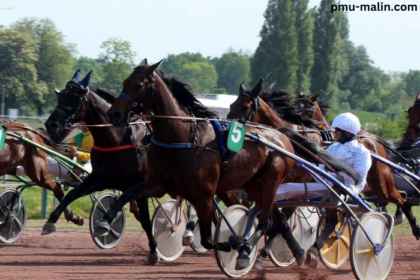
(184, 158)
(19, 153)
(379, 179)
(413, 129)
(275, 108)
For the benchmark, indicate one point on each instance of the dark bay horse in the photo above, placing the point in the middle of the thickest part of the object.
(184, 157)
(116, 162)
(19, 153)
(380, 178)
(412, 132)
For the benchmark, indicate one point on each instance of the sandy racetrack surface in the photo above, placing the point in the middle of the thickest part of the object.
(71, 254)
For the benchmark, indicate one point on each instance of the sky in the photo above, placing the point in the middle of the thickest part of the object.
(161, 27)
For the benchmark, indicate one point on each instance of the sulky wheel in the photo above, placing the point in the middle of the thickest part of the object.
(280, 253)
(336, 249)
(237, 216)
(196, 244)
(166, 232)
(12, 216)
(367, 265)
(117, 226)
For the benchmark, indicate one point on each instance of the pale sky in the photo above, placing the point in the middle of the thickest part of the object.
(161, 27)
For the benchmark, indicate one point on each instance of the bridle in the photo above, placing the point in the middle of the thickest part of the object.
(416, 127)
(304, 99)
(150, 88)
(70, 112)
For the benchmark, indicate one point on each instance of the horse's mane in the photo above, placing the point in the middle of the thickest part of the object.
(324, 106)
(108, 95)
(281, 102)
(183, 93)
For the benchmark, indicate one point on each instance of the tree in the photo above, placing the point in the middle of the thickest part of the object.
(194, 69)
(277, 52)
(18, 75)
(304, 29)
(174, 62)
(86, 64)
(329, 39)
(200, 75)
(55, 57)
(412, 83)
(117, 59)
(232, 68)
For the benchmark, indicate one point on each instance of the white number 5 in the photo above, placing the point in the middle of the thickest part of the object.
(236, 131)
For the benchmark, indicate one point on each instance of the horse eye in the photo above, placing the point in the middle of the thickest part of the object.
(246, 108)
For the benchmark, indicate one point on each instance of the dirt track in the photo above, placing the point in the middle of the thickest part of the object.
(73, 255)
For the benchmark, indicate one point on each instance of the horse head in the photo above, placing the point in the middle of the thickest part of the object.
(70, 107)
(136, 95)
(413, 130)
(246, 106)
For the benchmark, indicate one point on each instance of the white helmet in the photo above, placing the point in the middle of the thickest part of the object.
(347, 122)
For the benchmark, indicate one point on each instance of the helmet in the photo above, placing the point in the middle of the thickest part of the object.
(347, 122)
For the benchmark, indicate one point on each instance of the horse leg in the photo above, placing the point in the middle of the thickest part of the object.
(188, 237)
(87, 187)
(144, 219)
(144, 190)
(271, 235)
(36, 169)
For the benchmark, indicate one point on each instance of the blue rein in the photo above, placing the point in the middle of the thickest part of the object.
(126, 97)
(172, 146)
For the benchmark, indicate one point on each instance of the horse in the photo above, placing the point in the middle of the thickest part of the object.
(34, 161)
(184, 157)
(413, 129)
(380, 178)
(274, 107)
(118, 156)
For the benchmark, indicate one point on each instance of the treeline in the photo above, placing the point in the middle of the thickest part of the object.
(303, 49)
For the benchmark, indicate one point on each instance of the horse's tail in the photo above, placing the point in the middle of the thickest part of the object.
(298, 141)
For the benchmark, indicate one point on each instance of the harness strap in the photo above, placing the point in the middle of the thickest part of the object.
(113, 149)
(172, 146)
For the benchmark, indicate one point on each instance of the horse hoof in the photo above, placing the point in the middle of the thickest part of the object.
(48, 228)
(101, 228)
(153, 259)
(236, 241)
(259, 263)
(187, 238)
(242, 262)
(311, 258)
(79, 221)
(399, 219)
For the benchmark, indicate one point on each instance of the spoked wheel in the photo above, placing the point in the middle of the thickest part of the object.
(117, 226)
(336, 249)
(280, 253)
(167, 234)
(366, 265)
(237, 216)
(12, 216)
(196, 244)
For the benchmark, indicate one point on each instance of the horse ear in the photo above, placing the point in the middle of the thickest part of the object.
(76, 75)
(86, 80)
(418, 96)
(300, 94)
(242, 88)
(270, 88)
(152, 68)
(257, 89)
(143, 62)
(314, 98)
(57, 91)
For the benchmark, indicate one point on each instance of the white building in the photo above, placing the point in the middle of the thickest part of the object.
(217, 102)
